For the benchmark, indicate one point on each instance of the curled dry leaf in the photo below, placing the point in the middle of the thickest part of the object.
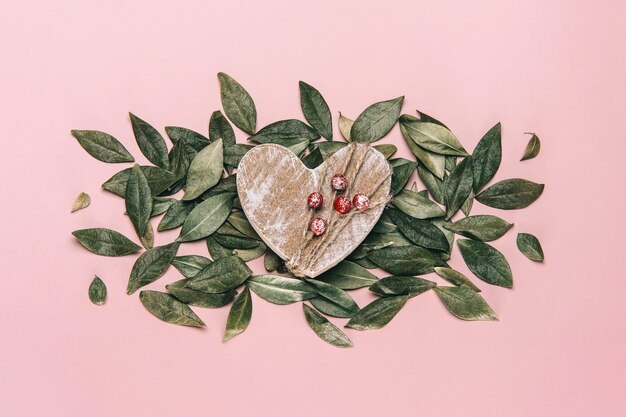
(82, 201)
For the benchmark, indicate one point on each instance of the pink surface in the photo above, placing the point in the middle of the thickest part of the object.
(553, 67)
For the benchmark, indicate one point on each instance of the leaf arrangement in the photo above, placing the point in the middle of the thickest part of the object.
(413, 237)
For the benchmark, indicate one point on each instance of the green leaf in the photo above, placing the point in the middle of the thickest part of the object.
(377, 241)
(482, 227)
(147, 239)
(284, 129)
(82, 201)
(467, 205)
(432, 137)
(378, 313)
(190, 265)
(402, 171)
(486, 262)
(102, 146)
(511, 194)
(150, 142)
(235, 242)
(150, 266)
(405, 260)
(176, 215)
(199, 298)
(219, 128)
(221, 275)
(327, 331)
(138, 200)
(401, 285)
(160, 205)
(435, 163)
(238, 104)
(280, 290)
(193, 141)
(455, 277)
(234, 153)
(529, 245)
(97, 291)
(239, 315)
(416, 205)
(426, 118)
(159, 180)
(315, 110)
(332, 300)
(532, 148)
(345, 126)
(486, 157)
(297, 146)
(387, 149)
(271, 262)
(238, 220)
(105, 242)
(167, 308)
(205, 170)
(420, 232)
(206, 217)
(458, 187)
(327, 149)
(376, 121)
(348, 276)
(433, 184)
(465, 303)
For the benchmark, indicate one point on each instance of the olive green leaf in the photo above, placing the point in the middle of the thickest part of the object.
(401, 285)
(234, 153)
(416, 205)
(206, 217)
(219, 128)
(376, 121)
(433, 184)
(486, 262)
(205, 170)
(420, 232)
(280, 290)
(138, 200)
(237, 103)
(222, 275)
(378, 313)
(239, 315)
(426, 118)
(147, 239)
(384, 224)
(482, 227)
(455, 277)
(193, 141)
(348, 276)
(105, 242)
(179, 165)
(285, 129)
(252, 253)
(190, 265)
(238, 220)
(432, 137)
(150, 142)
(458, 187)
(450, 163)
(160, 205)
(315, 110)
(327, 331)
(511, 194)
(102, 146)
(465, 303)
(97, 291)
(332, 300)
(345, 126)
(314, 157)
(82, 201)
(405, 260)
(167, 308)
(467, 205)
(486, 157)
(150, 266)
(532, 148)
(364, 263)
(375, 241)
(225, 185)
(402, 171)
(176, 215)
(529, 245)
(271, 262)
(159, 180)
(199, 298)
(448, 234)
(297, 146)
(235, 242)
(387, 149)
(435, 163)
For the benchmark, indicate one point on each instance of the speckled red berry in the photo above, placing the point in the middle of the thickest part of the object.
(361, 202)
(315, 200)
(342, 204)
(339, 182)
(317, 226)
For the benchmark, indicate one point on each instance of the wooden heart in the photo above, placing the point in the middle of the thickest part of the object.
(273, 186)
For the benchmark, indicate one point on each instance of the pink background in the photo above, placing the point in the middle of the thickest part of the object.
(553, 67)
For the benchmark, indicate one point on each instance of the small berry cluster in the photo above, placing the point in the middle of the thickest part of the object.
(341, 204)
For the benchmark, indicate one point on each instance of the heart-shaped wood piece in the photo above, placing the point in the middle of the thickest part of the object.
(273, 186)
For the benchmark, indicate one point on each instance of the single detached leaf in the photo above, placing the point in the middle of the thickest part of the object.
(332, 300)
(207, 217)
(199, 298)
(376, 121)
(102, 146)
(405, 260)
(150, 142)
(237, 103)
(138, 200)
(432, 137)
(205, 170)
(345, 126)
(97, 291)
(416, 205)
(533, 148)
(455, 277)
(327, 331)
(486, 262)
(420, 232)
(290, 129)
(465, 303)
(401, 285)
(315, 110)
(482, 227)
(219, 128)
(511, 194)
(222, 275)
(458, 187)
(529, 245)
(387, 149)
(167, 308)
(105, 242)
(190, 265)
(280, 290)
(150, 266)
(486, 157)
(159, 180)
(82, 201)
(433, 184)
(348, 276)
(378, 313)
(402, 171)
(239, 315)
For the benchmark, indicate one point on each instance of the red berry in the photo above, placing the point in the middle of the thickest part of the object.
(318, 226)
(314, 200)
(342, 204)
(361, 202)
(339, 182)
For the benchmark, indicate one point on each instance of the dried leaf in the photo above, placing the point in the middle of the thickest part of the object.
(168, 309)
(316, 110)
(237, 103)
(97, 291)
(465, 303)
(150, 266)
(529, 245)
(486, 157)
(105, 242)
(239, 315)
(378, 313)
(150, 142)
(280, 290)
(327, 331)
(486, 262)
(532, 148)
(511, 194)
(205, 170)
(82, 201)
(345, 125)
(376, 121)
(102, 146)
